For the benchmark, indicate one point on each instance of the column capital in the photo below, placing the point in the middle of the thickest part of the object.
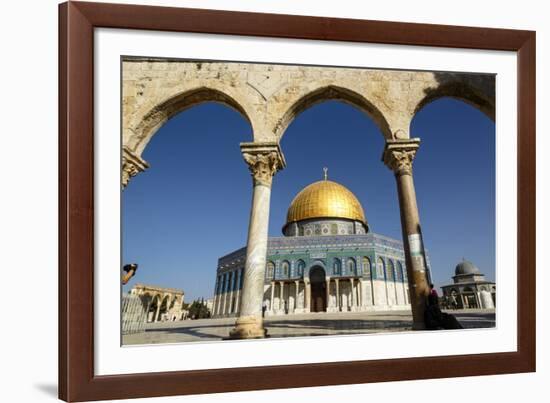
(264, 159)
(399, 155)
(132, 164)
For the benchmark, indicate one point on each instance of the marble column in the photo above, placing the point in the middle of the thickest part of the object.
(264, 160)
(272, 296)
(236, 291)
(337, 295)
(215, 303)
(282, 296)
(215, 297)
(328, 294)
(363, 292)
(297, 286)
(478, 299)
(223, 294)
(359, 293)
(231, 286)
(157, 313)
(398, 156)
(352, 302)
(307, 293)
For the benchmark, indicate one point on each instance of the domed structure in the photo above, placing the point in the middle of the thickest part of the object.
(465, 267)
(328, 208)
(469, 289)
(327, 261)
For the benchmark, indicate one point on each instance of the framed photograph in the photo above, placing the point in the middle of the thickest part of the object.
(257, 201)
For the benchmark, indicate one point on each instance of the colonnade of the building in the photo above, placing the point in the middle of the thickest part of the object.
(164, 304)
(296, 297)
(471, 300)
(342, 295)
(227, 295)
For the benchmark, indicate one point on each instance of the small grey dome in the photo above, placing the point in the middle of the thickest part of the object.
(466, 267)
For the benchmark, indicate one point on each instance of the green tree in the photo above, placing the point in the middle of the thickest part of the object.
(198, 310)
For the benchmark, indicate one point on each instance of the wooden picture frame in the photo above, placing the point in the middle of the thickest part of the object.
(77, 21)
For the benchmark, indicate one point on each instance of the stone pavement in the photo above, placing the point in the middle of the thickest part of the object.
(312, 324)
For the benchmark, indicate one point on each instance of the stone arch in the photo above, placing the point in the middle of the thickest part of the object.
(351, 266)
(153, 118)
(390, 270)
(475, 90)
(380, 268)
(327, 93)
(270, 272)
(337, 266)
(367, 267)
(300, 267)
(285, 268)
(173, 301)
(399, 272)
(313, 264)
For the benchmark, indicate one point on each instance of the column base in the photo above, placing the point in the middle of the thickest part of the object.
(248, 327)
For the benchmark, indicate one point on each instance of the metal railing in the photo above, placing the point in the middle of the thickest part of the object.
(134, 313)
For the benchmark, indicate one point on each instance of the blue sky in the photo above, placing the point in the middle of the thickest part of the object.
(192, 205)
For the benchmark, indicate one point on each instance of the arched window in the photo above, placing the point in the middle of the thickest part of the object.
(380, 269)
(270, 270)
(300, 267)
(399, 270)
(337, 266)
(390, 271)
(352, 267)
(366, 267)
(285, 267)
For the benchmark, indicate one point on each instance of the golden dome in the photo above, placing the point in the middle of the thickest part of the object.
(325, 199)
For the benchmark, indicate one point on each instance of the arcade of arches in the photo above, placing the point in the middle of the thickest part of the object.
(269, 97)
(163, 304)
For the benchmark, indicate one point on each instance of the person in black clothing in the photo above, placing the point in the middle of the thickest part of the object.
(434, 318)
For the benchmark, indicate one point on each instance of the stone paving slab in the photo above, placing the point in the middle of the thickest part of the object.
(311, 324)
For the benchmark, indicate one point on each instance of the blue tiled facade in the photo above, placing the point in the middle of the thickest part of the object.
(365, 257)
